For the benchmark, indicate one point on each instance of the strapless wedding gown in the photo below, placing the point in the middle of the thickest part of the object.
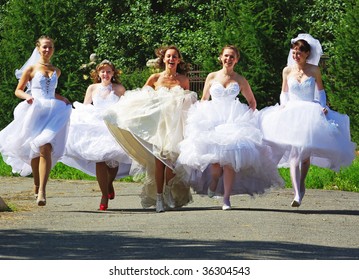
(149, 124)
(44, 121)
(300, 130)
(225, 131)
(90, 141)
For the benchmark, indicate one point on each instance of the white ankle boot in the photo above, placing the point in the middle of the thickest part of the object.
(159, 203)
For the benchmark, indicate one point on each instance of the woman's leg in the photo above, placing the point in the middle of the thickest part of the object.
(303, 174)
(44, 172)
(159, 177)
(35, 173)
(216, 173)
(228, 177)
(102, 179)
(295, 178)
(112, 173)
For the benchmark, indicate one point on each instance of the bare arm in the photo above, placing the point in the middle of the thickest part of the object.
(185, 83)
(248, 94)
(285, 74)
(152, 80)
(119, 89)
(88, 95)
(207, 86)
(20, 89)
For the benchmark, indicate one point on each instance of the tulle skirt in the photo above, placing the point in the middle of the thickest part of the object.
(44, 121)
(149, 124)
(300, 130)
(89, 141)
(226, 133)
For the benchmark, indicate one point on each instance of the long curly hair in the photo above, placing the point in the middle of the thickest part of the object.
(95, 72)
(182, 67)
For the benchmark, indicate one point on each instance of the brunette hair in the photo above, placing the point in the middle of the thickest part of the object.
(95, 76)
(301, 45)
(182, 67)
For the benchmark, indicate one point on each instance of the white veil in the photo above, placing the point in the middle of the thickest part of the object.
(34, 58)
(315, 49)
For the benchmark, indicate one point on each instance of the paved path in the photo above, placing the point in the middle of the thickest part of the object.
(326, 226)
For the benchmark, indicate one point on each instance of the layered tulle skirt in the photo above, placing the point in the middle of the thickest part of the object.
(226, 133)
(300, 130)
(34, 125)
(149, 124)
(89, 141)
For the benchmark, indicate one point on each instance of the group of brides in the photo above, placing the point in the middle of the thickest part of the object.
(217, 146)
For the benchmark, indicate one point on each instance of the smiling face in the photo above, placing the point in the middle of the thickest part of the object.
(229, 57)
(300, 51)
(106, 73)
(299, 56)
(171, 59)
(46, 48)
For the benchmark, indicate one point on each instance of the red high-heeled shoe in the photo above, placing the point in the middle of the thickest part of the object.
(103, 207)
(111, 195)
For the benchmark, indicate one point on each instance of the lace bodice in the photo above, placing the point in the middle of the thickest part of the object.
(303, 91)
(104, 97)
(42, 86)
(219, 92)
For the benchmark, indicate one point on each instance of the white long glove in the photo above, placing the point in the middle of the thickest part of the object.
(283, 98)
(321, 98)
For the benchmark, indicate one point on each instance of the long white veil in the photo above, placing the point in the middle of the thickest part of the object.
(34, 58)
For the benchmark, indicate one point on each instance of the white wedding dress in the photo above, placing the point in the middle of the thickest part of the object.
(149, 124)
(90, 141)
(44, 121)
(225, 131)
(300, 130)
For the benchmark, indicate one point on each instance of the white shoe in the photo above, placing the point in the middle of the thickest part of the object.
(226, 207)
(210, 193)
(159, 204)
(295, 203)
(167, 195)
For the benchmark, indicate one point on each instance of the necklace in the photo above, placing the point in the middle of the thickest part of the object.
(45, 64)
(171, 76)
(300, 73)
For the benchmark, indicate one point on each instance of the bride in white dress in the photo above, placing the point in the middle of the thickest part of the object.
(148, 123)
(302, 128)
(35, 140)
(90, 146)
(222, 152)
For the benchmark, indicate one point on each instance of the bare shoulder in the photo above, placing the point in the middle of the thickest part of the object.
(152, 79)
(211, 76)
(241, 80)
(286, 70)
(92, 87)
(58, 71)
(119, 89)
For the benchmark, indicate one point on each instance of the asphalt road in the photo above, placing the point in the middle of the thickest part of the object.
(69, 227)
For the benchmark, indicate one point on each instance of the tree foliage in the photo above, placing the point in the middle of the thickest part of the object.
(127, 32)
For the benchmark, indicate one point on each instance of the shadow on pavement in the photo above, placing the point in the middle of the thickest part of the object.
(116, 245)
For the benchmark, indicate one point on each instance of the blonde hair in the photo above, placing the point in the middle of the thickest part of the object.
(95, 76)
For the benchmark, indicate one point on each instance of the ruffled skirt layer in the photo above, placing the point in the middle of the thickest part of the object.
(300, 130)
(226, 133)
(149, 124)
(89, 141)
(44, 121)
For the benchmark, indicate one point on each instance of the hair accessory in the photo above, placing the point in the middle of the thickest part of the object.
(315, 49)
